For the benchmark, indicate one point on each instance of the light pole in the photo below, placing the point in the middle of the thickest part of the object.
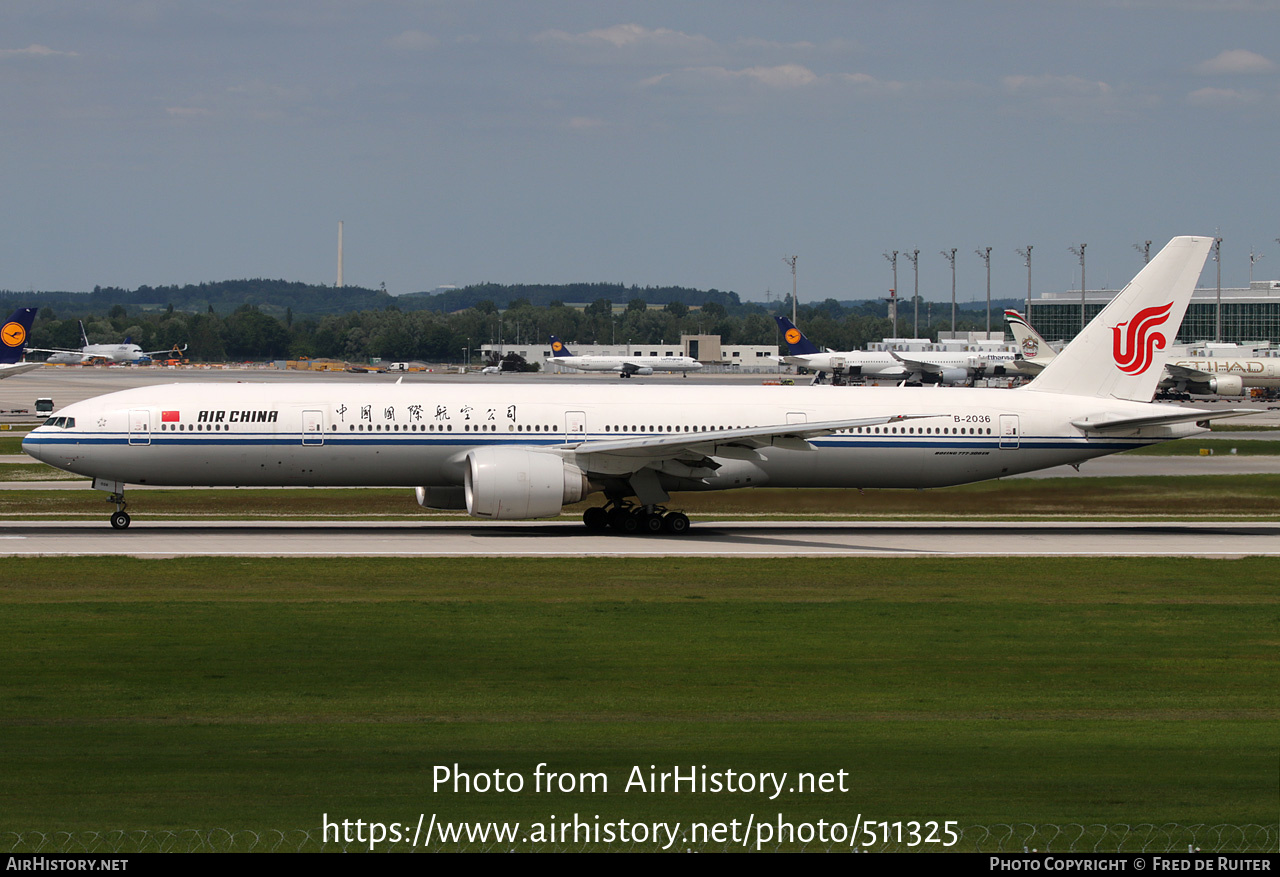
(893, 301)
(985, 255)
(1253, 260)
(1145, 249)
(791, 260)
(1026, 255)
(1217, 318)
(1080, 252)
(915, 299)
(951, 257)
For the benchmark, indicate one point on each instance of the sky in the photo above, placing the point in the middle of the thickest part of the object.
(662, 142)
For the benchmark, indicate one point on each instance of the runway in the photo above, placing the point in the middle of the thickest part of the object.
(706, 539)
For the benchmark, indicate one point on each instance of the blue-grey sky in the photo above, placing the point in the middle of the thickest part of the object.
(651, 143)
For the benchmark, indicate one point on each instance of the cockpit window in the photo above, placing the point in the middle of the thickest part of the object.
(61, 422)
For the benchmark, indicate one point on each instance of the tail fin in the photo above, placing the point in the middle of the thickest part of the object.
(558, 347)
(796, 342)
(1115, 355)
(1032, 348)
(14, 334)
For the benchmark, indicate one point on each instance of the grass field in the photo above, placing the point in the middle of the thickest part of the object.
(260, 694)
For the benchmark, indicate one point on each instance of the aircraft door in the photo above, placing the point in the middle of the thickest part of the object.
(1009, 430)
(575, 425)
(313, 427)
(140, 426)
(797, 417)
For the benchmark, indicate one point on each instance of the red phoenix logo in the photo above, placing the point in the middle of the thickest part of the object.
(1134, 348)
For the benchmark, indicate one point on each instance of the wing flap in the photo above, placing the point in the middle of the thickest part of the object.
(1107, 424)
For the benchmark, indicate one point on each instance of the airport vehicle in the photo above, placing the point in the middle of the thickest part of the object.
(626, 366)
(506, 451)
(13, 343)
(913, 367)
(126, 352)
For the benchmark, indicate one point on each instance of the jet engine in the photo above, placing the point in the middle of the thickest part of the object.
(1222, 385)
(949, 376)
(516, 483)
(643, 371)
(441, 498)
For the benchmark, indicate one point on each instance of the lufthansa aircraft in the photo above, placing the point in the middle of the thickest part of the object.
(513, 451)
(126, 352)
(917, 367)
(13, 343)
(624, 365)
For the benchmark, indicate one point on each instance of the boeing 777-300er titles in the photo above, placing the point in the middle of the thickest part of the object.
(914, 366)
(13, 343)
(516, 451)
(126, 352)
(625, 365)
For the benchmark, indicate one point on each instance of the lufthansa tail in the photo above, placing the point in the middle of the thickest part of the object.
(1118, 354)
(796, 342)
(558, 348)
(14, 335)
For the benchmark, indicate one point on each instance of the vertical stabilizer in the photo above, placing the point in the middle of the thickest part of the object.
(797, 343)
(1117, 354)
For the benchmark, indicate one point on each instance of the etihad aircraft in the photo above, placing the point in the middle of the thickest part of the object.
(1203, 376)
(13, 343)
(506, 451)
(126, 352)
(626, 366)
(911, 366)
(1034, 353)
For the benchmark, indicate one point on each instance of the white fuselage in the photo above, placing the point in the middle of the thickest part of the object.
(111, 352)
(419, 434)
(1253, 372)
(878, 364)
(621, 363)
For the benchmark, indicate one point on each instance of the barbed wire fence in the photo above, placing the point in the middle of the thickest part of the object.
(1000, 838)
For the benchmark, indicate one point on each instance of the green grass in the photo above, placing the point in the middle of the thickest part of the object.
(260, 694)
(1256, 497)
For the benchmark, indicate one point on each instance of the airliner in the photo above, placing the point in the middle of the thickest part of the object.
(507, 451)
(126, 352)
(914, 367)
(13, 343)
(626, 366)
(1034, 353)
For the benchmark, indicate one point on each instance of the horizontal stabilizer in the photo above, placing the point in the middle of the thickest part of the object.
(1116, 424)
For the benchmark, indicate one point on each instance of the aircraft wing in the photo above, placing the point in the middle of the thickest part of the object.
(173, 349)
(1026, 366)
(630, 454)
(1107, 424)
(917, 367)
(17, 368)
(1182, 373)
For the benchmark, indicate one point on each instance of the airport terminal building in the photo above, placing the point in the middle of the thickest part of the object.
(1247, 314)
(706, 349)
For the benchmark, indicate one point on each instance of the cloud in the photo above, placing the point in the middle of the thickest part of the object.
(1235, 62)
(36, 51)
(1222, 97)
(413, 41)
(631, 42)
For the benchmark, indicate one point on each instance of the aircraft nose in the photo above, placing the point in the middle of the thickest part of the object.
(33, 447)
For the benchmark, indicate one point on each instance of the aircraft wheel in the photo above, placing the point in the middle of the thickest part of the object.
(651, 523)
(120, 520)
(676, 523)
(596, 518)
(618, 518)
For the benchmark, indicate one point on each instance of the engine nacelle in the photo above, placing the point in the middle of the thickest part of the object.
(947, 376)
(516, 483)
(441, 498)
(644, 371)
(1227, 385)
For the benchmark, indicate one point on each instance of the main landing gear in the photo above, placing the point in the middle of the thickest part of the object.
(627, 518)
(119, 518)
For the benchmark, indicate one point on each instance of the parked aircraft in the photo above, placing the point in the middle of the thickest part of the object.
(1034, 353)
(13, 343)
(911, 366)
(624, 365)
(507, 451)
(126, 352)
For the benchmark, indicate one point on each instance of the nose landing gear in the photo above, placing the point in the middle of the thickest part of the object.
(119, 518)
